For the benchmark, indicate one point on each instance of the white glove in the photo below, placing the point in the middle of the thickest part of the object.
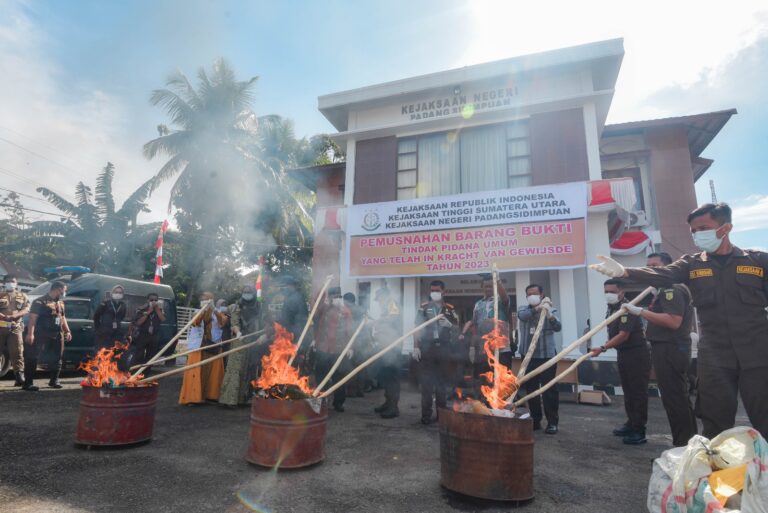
(633, 309)
(472, 355)
(416, 354)
(546, 305)
(236, 331)
(608, 266)
(350, 354)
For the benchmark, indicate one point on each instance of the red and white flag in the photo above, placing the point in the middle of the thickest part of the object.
(159, 254)
(258, 279)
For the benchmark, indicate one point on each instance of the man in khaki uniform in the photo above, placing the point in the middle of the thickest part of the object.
(729, 287)
(14, 305)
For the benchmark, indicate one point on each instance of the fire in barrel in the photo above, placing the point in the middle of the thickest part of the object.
(114, 409)
(288, 425)
(488, 452)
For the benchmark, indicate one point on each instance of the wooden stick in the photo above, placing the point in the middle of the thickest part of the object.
(533, 343)
(311, 316)
(339, 359)
(495, 276)
(170, 342)
(378, 355)
(554, 381)
(201, 348)
(576, 343)
(198, 364)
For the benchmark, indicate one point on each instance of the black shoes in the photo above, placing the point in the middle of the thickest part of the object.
(624, 430)
(551, 429)
(537, 425)
(635, 438)
(339, 408)
(55, 383)
(381, 408)
(390, 413)
(426, 420)
(19, 379)
(30, 388)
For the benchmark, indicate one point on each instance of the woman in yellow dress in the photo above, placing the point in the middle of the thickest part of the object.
(203, 383)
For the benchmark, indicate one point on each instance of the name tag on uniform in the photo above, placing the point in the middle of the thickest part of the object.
(750, 269)
(114, 325)
(532, 330)
(151, 329)
(700, 273)
(58, 321)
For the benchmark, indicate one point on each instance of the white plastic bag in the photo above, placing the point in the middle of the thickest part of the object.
(194, 337)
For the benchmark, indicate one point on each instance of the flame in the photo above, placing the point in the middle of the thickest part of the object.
(103, 371)
(505, 383)
(274, 366)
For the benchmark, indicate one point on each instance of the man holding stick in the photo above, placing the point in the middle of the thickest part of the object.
(729, 287)
(627, 337)
(433, 349)
(332, 332)
(669, 332)
(528, 316)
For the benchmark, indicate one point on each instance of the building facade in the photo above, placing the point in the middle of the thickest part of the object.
(536, 120)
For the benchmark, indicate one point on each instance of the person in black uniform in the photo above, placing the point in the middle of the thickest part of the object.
(434, 349)
(627, 337)
(386, 329)
(729, 287)
(47, 333)
(294, 313)
(669, 332)
(146, 329)
(108, 318)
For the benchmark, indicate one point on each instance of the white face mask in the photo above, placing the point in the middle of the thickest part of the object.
(10, 286)
(205, 302)
(611, 298)
(247, 296)
(534, 300)
(338, 302)
(117, 296)
(707, 240)
(222, 309)
(436, 296)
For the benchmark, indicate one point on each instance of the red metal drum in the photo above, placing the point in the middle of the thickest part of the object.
(485, 456)
(287, 433)
(116, 416)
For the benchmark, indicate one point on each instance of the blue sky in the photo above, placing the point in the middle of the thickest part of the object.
(82, 71)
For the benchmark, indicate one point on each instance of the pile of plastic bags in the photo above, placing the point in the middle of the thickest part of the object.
(728, 474)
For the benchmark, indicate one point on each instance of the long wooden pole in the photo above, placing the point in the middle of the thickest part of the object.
(554, 380)
(311, 316)
(201, 348)
(170, 342)
(543, 313)
(198, 364)
(339, 359)
(378, 355)
(495, 277)
(576, 343)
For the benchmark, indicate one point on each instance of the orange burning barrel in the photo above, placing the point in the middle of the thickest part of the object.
(486, 456)
(287, 433)
(116, 416)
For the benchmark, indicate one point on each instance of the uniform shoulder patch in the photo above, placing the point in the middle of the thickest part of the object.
(700, 273)
(669, 295)
(624, 319)
(750, 269)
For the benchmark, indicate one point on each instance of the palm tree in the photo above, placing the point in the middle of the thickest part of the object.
(91, 231)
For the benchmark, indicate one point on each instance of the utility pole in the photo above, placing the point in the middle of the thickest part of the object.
(712, 188)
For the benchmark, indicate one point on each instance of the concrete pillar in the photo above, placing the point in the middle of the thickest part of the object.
(593, 142)
(410, 305)
(597, 244)
(567, 306)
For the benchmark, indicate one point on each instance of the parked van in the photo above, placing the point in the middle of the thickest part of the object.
(84, 293)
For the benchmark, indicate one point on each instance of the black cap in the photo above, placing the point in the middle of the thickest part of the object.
(334, 291)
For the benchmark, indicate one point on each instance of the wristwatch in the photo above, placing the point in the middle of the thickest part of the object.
(603, 349)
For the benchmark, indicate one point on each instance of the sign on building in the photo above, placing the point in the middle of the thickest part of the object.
(541, 227)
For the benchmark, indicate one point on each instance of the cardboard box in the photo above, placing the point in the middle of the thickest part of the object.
(593, 397)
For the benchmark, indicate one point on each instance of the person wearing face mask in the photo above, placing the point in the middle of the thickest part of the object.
(433, 349)
(332, 332)
(14, 305)
(626, 335)
(669, 332)
(729, 288)
(48, 331)
(242, 367)
(386, 329)
(528, 318)
(145, 331)
(108, 318)
(203, 383)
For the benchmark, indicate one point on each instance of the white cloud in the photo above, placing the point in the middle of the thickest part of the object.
(69, 130)
(750, 213)
(666, 43)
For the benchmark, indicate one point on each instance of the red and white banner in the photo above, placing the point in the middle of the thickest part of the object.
(159, 254)
(541, 227)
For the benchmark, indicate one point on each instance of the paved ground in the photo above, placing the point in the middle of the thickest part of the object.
(195, 462)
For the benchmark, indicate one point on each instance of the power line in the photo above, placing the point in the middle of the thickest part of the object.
(32, 182)
(8, 141)
(61, 153)
(38, 211)
(24, 194)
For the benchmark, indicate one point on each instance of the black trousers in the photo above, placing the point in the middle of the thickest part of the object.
(48, 350)
(107, 339)
(323, 363)
(635, 372)
(551, 397)
(434, 376)
(671, 362)
(144, 346)
(718, 391)
(389, 380)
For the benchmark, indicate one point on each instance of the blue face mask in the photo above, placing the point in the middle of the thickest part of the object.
(707, 240)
